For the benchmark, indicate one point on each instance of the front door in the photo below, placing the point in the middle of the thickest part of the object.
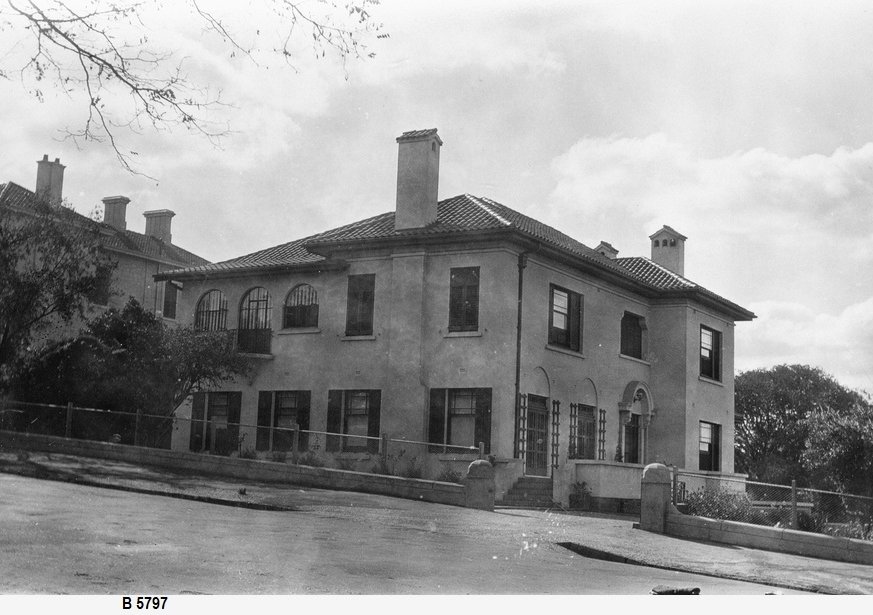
(536, 457)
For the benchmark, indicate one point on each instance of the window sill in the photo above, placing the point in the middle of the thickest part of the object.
(358, 338)
(298, 331)
(462, 334)
(634, 359)
(257, 355)
(566, 351)
(710, 381)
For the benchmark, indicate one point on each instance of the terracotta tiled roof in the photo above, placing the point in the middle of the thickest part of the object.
(463, 214)
(14, 196)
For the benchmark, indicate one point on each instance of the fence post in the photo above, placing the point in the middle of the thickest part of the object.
(383, 446)
(481, 450)
(793, 504)
(295, 440)
(136, 427)
(68, 428)
(675, 484)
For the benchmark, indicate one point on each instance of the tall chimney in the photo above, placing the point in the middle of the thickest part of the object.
(158, 223)
(50, 180)
(606, 249)
(418, 174)
(668, 249)
(115, 211)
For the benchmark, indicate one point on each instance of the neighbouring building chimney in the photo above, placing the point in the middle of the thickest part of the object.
(668, 249)
(158, 224)
(418, 174)
(50, 180)
(605, 248)
(115, 211)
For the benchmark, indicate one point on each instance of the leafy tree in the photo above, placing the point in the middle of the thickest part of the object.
(772, 408)
(110, 55)
(50, 261)
(128, 360)
(839, 454)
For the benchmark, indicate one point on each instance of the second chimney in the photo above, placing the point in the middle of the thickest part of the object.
(158, 223)
(668, 249)
(418, 174)
(50, 180)
(115, 211)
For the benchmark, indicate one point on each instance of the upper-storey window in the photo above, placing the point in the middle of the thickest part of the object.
(255, 321)
(171, 298)
(710, 353)
(565, 318)
(633, 330)
(211, 313)
(102, 289)
(301, 307)
(361, 300)
(464, 299)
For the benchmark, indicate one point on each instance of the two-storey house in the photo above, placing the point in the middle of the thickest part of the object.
(460, 321)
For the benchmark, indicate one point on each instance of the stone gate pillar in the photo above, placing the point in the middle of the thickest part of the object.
(655, 497)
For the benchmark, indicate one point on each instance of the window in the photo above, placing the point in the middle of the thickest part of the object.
(632, 335)
(565, 318)
(459, 417)
(301, 308)
(583, 441)
(359, 310)
(710, 353)
(278, 412)
(632, 439)
(171, 297)
(102, 288)
(215, 422)
(353, 413)
(710, 447)
(255, 322)
(211, 313)
(464, 299)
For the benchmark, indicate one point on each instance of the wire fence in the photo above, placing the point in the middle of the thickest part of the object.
(801, 508)
(216, 435)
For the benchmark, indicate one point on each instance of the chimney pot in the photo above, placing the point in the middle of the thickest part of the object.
(418, 170)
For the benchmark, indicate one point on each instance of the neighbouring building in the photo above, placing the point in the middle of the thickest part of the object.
(460, 321)
(137, 257)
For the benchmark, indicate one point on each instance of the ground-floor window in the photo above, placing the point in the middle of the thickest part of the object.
(278, 413)
(710, 447)
(632, 439)
(583, 440)
(354, 413)
(459, 417)
(215, 422)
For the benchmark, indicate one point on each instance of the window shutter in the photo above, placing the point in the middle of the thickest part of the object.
(575, 316)
(334, 419)
(553, 333)
(262, 441)
(197, 413)
(234, 405)
(483, 419)
(304, 399)
(437, 422)
(373, 420)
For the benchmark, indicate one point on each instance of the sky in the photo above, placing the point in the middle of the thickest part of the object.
(746, 126)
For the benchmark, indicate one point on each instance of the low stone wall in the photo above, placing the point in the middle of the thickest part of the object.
(659, 515)
(248, 469)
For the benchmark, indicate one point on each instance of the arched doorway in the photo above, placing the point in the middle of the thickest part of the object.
(635, 412)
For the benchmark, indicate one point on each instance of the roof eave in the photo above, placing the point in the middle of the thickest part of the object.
(184, 274)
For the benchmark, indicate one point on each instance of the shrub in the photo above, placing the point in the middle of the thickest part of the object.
(413, 469)
(248, 453)
(344, 463)
(383, 465)
(720, 504)
(449, 475)
(310, 458)
(279, 456)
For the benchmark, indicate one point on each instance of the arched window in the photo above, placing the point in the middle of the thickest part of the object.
(301, 307)
(255, 321)
(211, 314)
(656, 243)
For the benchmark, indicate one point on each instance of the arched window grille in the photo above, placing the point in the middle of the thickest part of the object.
(255, 321)
(301, 307)
(211, 314)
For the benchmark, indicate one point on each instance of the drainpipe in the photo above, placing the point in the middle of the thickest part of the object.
(522, 263)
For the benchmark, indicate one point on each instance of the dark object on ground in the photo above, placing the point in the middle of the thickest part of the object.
(665, 590)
